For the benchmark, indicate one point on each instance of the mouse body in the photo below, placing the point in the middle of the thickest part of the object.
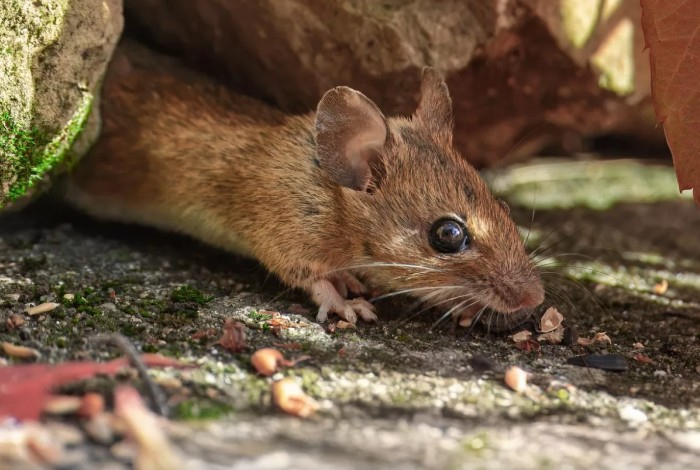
(330, 201)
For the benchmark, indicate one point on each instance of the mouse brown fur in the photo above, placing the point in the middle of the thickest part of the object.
(321, 199)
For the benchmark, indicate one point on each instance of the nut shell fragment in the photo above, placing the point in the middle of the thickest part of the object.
(21, 352)
(42, 308)
(599, 337)
(551, 320)
(267, 361)
(516, 379)
(290, 398)
(523, 335)
(661, 287)
(343, 325)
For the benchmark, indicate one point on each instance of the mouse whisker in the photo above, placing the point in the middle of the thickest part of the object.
(577, 284)
(415, 289)
(540, 259)
(383, 265)
(532, 219)
(582, 268)
(447, 315)
(477, 317)
(468, 297)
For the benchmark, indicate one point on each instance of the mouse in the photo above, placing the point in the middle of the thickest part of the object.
(333, 202)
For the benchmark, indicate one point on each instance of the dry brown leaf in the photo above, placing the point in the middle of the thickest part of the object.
(643, 358)
(516, 379)
(42, 308)
(551, 320)
(638, 345)
(290, 398)
(204, 334)
(233, 338)
(672, 34)
(21, 352)
(528, 345)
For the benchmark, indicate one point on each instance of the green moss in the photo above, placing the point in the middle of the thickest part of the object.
(20, 148)
(253, 315)
(201, 409)
(27, 154)
(187, 294)
(149, 348)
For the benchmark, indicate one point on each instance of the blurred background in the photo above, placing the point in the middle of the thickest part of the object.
(527, 77)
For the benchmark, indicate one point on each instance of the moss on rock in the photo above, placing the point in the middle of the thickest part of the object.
(53, 56)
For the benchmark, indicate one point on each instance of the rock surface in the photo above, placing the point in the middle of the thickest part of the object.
(53, 56)
(396, 394)
(535, 70)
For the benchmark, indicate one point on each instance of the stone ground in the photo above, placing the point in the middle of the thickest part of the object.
(404, 392)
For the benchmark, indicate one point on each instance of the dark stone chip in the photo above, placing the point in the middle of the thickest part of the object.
(609, 362)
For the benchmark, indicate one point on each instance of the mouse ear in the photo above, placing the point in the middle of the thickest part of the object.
(350, 135)
(435, 106)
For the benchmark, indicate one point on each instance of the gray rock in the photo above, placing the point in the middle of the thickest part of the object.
(512, 67)
(53, 58)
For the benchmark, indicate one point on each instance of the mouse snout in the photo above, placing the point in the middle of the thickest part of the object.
(532, 296)
(514, 296)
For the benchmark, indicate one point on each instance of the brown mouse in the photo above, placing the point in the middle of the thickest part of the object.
(322, 200)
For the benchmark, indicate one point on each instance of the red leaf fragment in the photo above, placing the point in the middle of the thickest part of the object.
(203, 334)
(528, 345)
(643, 358)
(234, 336)
(25, 388)
(672, 34)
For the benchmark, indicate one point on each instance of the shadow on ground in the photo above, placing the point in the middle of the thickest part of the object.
(405, 391)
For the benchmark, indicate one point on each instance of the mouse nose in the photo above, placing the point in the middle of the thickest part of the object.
(532, 297)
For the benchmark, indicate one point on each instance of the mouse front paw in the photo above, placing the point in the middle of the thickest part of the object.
(344, 283)
(328, 299)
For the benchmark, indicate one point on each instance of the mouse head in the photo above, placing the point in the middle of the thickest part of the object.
(427, 222)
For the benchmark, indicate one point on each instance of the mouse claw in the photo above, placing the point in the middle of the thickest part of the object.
(345, 283)
(322, 314)
(329, 300)
(364, 309)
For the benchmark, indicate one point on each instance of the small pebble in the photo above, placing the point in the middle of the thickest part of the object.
(660, 373)
(108, 307)
(633, 415)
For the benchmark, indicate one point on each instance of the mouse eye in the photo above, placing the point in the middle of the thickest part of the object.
(449, 236)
